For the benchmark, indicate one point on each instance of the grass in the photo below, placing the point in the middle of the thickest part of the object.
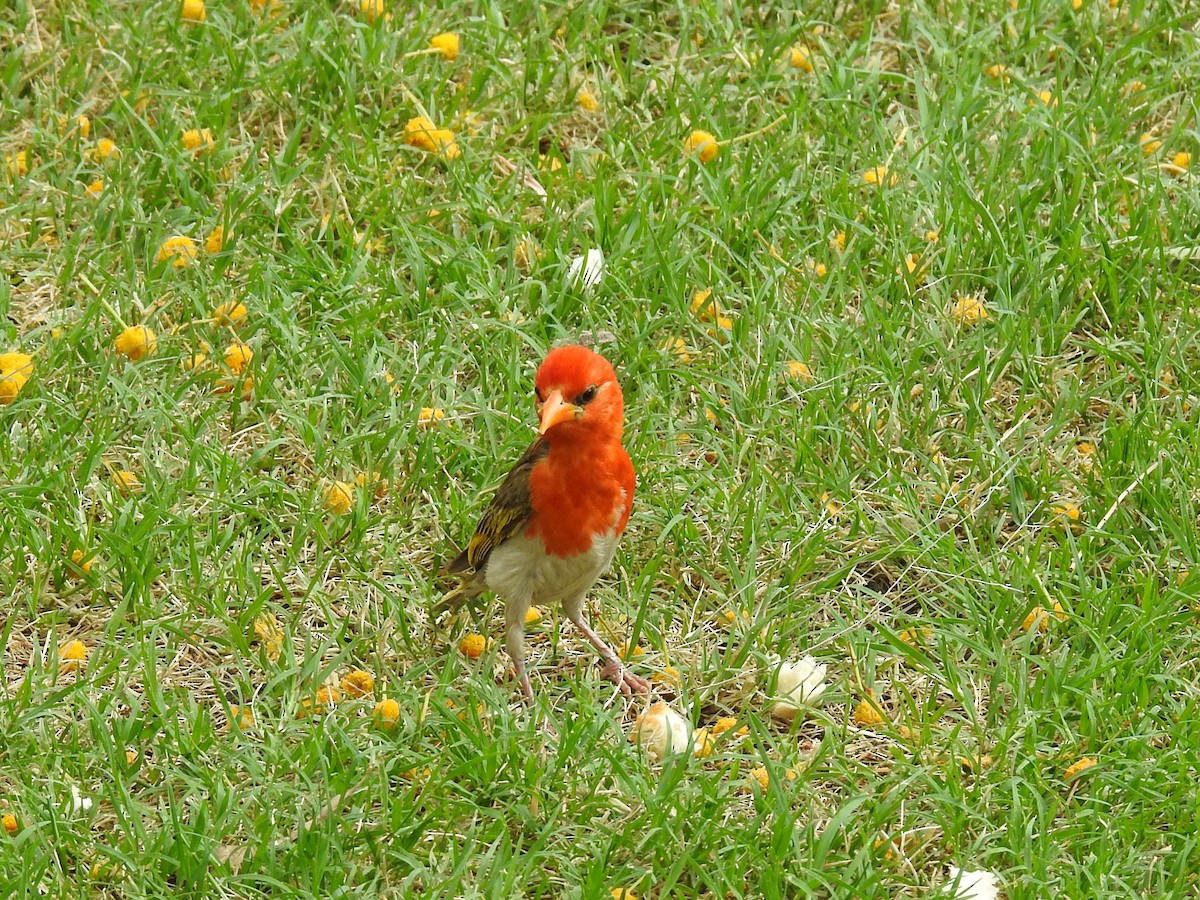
(898, 516)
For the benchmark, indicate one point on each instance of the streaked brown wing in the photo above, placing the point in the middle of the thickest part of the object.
(508, 512)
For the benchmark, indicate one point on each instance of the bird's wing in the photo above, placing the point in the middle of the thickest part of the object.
(508, 512)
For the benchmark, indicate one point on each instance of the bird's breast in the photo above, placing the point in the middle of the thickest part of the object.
(522, 568)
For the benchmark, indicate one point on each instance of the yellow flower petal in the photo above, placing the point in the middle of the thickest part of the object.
(1077, 767)
(472, 646)
(270, 634)
(358, 683)
(179, 249)
(339, 497)
(229, 313)
(193, 11)
(386, 713)
(702, 145)
(447, 44)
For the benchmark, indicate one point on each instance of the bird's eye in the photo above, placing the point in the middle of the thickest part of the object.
(587, 396)
(537, 392)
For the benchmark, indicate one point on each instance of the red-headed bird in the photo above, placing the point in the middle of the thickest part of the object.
(552, 527)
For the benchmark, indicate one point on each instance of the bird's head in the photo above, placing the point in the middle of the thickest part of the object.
(577, 392)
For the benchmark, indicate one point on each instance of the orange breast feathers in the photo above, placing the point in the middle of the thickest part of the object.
(579, 492)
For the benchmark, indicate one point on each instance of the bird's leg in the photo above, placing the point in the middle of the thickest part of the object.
(614, 669)
(514, 641)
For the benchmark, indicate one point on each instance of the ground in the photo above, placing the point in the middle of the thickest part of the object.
(901, 296)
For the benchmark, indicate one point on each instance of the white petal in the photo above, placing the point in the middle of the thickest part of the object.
(79, 803)
(798, 683)
(586, 271)
(977, 885)
(661, 731)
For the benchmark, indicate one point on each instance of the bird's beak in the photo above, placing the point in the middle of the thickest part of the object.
(556, 410)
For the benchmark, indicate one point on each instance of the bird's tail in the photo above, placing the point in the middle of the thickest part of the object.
(467, 590)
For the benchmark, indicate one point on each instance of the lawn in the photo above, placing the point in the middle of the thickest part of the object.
(902, 299)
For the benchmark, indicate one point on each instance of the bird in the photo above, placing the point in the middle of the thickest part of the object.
(552, 526)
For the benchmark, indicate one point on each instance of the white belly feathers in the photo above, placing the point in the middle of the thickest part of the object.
(520, 569)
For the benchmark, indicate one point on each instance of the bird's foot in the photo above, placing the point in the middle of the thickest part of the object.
(628, 683)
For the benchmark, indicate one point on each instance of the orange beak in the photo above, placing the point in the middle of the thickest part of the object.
(556, 410)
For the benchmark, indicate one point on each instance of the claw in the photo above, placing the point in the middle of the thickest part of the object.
(628, 683)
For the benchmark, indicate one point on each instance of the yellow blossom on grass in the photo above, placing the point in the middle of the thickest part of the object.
(814, 268)
(339, 497)
(1149, 144)
(179, 249)
(95, 189)
(215, 242)
(371, 9)
(270, 634)
(800, 57)
(81, 562)
(15, 369)
(358, 683)
(472, 646)
(238, 357)
(1045, 98)
(762, 777)
(533, 615)
(229, 313)
(727, 723)
(867, 713)
(798, 371)
(227, 386)
(916, 637)
(241, 717)
(832, 507)
(81, 125)
(703, 743)
(325, 699)
(837, 243)
(912, 266)
(198, 140)
(526, 252)
(1068, 509)
(193, 11)
(618, 893)
(704, 307)
(72, 656)
(1076, 5)
(127, 483)
(102, 151)
(881, 175)
(997, 72)
(933, 235)
(1085, 448)
(259, 6)
(669, 676)
(17, 164)
(587, 100)
(420, 132)
(1179, 163)
(679, 347)
(1133, 87)
(702, 145)
(430, 416)
(724, 327)
(1077, 767)
(9, 821)
(1039, 619)
(197, 360)
(386, 713)
(374, 482)
(447, 44)
(968, 310)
